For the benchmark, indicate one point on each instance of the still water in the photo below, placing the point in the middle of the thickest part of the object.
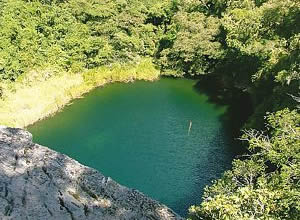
(138, 134)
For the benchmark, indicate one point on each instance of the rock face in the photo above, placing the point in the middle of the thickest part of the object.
(38, 183)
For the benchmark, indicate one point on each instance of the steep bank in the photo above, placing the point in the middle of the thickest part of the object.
(36, 182)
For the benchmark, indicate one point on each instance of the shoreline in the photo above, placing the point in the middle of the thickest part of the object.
(27, 103)
(71, 189)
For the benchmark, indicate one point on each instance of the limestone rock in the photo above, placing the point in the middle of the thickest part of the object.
(39, 183)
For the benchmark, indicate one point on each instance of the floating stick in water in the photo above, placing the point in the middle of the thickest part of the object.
(191, 123)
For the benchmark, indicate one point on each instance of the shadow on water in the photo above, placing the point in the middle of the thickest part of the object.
(215, 166)
(239, 108)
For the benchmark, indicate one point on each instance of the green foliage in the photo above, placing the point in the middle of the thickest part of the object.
(209, 32)
(77, 35)
(266, 32)
(191, 43)
(266, 185)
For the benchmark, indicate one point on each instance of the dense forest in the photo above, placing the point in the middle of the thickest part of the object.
(248, 45)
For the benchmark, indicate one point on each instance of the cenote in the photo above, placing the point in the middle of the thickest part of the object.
(138, 134)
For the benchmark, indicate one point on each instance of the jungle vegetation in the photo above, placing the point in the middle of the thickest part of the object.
(250, 45)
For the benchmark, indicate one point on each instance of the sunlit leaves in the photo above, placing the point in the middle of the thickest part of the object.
(81, 34)
(267, 184)
(194, 47)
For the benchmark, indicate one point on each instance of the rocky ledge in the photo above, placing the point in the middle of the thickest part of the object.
(38, 183)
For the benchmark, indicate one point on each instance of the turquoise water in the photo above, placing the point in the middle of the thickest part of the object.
(138, 135)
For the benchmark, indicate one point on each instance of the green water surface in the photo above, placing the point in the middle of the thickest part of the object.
(138, 135)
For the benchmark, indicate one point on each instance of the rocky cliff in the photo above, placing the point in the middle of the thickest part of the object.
(38, 183)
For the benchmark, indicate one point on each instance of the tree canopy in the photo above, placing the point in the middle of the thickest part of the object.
(76, 35)
(266, 184)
